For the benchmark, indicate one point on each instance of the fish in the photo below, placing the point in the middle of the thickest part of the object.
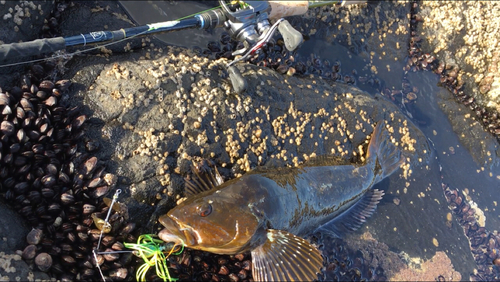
(269, 212)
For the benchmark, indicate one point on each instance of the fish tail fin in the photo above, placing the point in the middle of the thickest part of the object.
(382, 152)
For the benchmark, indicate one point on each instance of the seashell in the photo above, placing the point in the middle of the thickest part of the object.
(108, 240)
(43, 261)
(88, 209)
(92, 145)
(100, 191)
(51, 101)
(98, 260)
(34, 236)
(65, 259)
(128, 228)
(21, 135)
(111, 255)
(56, 93)
(63, 84)
(46, 85)
(66, 247)
(29, 252)
(21, 188)
(88, 273)
(26, 104)
(6, 110)
(58, 268)
(55, 250)
(4, 99)
(89, 166)
(82, 236)
(94, 234)
(94, 182)
(7, 128)
(67, 199)
(42, 95)
(118, 274)
(79, 121)
(118, 246)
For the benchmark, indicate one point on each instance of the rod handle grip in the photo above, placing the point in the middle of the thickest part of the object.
(238, 81)
(283, 9)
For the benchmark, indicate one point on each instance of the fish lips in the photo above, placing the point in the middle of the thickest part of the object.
(175, 232)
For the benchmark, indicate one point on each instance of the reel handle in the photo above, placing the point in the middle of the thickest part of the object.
(238, 81)
(291, 36)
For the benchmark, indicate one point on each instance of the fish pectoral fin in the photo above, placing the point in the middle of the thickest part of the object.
(204, 178)
(354, 216)
(285, 257)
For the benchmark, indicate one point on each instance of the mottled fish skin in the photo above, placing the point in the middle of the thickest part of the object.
(262, 212)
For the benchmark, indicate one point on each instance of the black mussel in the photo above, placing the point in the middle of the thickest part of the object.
(48, 180)
(67, 199)
(89, 166)
(7, 128)
(111, 255)
(21, 187)
(82, 236)
(63, 178)
(46, 85)
(79, 121)
(100, 191)
(54, 208)
(34, 196)
(9, 182)
(55, 250)
(47, 193)
(51, 169)
(118, 274)
(108, 240)
(94, 182)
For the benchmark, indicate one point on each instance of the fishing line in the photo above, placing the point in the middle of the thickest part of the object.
(69, 55)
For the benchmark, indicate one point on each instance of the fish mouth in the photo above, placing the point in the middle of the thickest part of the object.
(176, 232)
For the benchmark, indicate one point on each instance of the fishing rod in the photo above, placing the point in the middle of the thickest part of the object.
(246, 21)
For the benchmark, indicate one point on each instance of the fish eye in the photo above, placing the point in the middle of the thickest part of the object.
(205, 209)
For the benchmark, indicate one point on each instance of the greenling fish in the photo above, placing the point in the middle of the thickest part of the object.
(265, 212)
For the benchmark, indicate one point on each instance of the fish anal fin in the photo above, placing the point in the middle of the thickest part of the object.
(285, 257)
(352, 218)
(205, 177)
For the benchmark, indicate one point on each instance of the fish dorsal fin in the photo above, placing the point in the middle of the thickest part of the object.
(285, 257)
(354, 216)
(204, 179)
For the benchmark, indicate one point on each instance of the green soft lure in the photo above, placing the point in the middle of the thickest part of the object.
(152, 251)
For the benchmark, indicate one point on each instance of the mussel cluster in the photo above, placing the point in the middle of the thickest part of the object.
(343, 264)
(448, 74)
(195, 265)
(274, 55)
(485, 245)
(58, 188)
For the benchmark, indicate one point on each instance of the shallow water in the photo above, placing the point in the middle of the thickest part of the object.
(412, 217)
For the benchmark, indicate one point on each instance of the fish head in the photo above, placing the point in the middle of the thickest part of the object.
(222, 225)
